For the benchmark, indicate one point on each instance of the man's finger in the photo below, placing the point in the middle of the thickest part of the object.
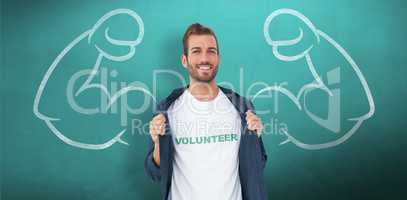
(253, 119)
(249, 113)
(159, 117)
(157, 124)
(161, 129)
(157, 129)
(159, 120)
(253, 116)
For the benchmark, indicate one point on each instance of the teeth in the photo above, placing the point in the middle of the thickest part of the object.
(204, 67)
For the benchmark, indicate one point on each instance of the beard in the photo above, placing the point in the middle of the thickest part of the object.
(204, 77)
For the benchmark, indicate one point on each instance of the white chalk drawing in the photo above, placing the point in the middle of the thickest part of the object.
(317, 83)
(112, 98)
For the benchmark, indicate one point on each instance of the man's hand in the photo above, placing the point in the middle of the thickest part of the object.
(157, 128)
(254, 123)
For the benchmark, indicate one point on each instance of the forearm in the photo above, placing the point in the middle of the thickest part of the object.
(156, 154)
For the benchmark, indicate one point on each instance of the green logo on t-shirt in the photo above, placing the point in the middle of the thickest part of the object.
(207, 139)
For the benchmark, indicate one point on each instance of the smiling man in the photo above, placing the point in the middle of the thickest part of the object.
(206, 141)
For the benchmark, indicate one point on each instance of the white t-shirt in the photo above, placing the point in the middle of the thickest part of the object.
(206, 137)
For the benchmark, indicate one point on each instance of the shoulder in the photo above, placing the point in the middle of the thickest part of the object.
(164, 104)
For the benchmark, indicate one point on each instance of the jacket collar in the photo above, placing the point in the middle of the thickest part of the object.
(238, 101)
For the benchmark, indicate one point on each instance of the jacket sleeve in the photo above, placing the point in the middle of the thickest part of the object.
(250, 106)
(263, 152)
(152, 170)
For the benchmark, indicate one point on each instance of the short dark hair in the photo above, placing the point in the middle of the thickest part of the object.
(197, 29)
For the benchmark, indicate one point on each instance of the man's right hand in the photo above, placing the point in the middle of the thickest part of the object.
(157, 128)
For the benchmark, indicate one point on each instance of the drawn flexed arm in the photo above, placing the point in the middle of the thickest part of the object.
(317, 84)
(102, 54)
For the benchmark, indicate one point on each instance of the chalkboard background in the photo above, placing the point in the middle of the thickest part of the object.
(71, 158)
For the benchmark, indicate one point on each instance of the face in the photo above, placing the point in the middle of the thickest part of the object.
(203, 58)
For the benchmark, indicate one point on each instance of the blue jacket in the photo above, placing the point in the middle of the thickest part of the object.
(252, 155)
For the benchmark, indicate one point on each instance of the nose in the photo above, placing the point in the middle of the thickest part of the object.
(204, 58)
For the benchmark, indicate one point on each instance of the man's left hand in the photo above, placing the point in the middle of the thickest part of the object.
(254, 123)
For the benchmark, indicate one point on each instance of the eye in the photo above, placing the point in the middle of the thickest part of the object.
(212, 51)
(195, 51)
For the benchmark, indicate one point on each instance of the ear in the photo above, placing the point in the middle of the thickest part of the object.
(184, 60)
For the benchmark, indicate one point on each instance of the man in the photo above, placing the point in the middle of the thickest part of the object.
(206, 141)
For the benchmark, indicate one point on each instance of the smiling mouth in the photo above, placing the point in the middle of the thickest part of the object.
(205, 67)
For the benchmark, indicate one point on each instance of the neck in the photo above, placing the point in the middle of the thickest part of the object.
(203, 91)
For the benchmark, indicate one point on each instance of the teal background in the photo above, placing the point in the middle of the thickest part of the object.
(35, 164)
